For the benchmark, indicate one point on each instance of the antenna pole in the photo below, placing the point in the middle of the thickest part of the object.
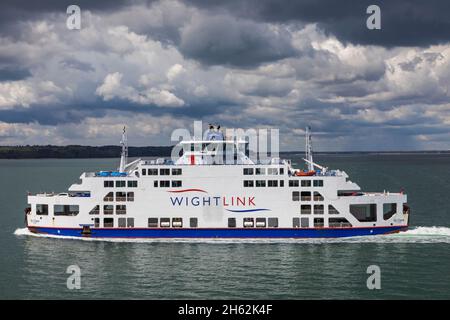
(124, 155)
(308, 149)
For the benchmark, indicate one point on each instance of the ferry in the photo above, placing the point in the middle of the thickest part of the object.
(198, 196)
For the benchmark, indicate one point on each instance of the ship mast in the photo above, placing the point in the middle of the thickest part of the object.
(308, 149)
(124, 155)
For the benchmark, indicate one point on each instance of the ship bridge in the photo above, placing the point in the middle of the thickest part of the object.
(210, 152)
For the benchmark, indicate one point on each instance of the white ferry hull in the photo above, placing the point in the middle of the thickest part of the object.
(226, 233)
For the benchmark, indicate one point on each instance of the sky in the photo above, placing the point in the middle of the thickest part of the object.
(155, 66)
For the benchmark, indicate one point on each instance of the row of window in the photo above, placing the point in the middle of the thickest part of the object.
(320, 223)
(109, 209)
(305, 183)
(167, 183)
(120, 196)
(317, 209)
(109, 222)
(262, 171)
(262, 183)
(120, 183)
(162, 172)
(246, 222)
(58, 209)
(306, 196)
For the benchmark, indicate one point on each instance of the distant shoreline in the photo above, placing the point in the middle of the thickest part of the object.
(89, 152)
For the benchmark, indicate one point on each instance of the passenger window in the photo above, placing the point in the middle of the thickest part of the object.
(193, 222)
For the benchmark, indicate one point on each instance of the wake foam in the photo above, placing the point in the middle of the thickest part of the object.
(433, 234)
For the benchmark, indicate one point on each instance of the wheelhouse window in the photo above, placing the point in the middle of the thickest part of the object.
(164, 172)
(231, 222)
(66, 210)
(177, 172)
(108, 209)
(153, 222)
(248, 183)
(249, 222)
(248, 171)
(152, 172)
(42, 209)
(108, 184)
(295, 196)
(305, 209)
(293, 183)
(260, 183)
(120, 183)
(306, 183)
(176, 183)
(108, 222)
(132, 184)
(121, 209)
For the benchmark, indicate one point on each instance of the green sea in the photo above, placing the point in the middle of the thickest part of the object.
(413, 265)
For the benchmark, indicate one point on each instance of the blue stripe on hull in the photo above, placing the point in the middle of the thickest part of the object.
(220, 233)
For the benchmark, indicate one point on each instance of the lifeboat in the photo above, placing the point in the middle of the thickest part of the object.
(305, 173)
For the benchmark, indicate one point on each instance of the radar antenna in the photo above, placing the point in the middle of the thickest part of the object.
(124, 155)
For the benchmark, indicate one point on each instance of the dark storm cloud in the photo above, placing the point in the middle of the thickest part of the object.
(403, 22)
(13, 74)
(224, 40)
(14, 11)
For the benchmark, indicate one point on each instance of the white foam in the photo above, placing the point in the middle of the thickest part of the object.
(415, 235)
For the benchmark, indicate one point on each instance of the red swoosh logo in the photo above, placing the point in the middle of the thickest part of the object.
(187, 190)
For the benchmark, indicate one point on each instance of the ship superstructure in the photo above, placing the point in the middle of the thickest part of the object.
(214, 190)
